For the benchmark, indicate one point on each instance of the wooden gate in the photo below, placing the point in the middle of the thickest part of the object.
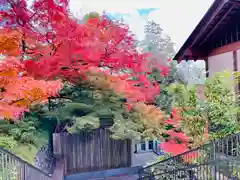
(93, 151)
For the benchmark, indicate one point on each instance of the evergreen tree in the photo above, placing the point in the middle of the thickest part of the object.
(91, 15)
(159, 45)
(164, 99)
(88, 108)
(161, 48)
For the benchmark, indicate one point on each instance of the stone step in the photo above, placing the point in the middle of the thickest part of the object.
(129, 173)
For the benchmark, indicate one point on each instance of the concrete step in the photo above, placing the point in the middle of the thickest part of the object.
(129, 173)
(123, 177)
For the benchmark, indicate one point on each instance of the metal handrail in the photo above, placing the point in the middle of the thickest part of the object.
(13, 167)
(174, 157)
(173, 171)
(209, 153)
(23, 161)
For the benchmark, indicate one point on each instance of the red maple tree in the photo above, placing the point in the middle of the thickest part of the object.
(18, 91)
(51, 44)
(57, 46)
(177, 142)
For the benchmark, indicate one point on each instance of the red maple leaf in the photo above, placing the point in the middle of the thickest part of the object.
(173, 148)
(178, 135)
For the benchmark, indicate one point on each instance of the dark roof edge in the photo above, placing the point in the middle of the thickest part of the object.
(216, 4)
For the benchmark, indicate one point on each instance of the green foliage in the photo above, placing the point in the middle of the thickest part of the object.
(22, 131)
(163, 157)
(84, 123)
(26, 151)
(11, 171)
(77, 109)
(86, 109)
(91, 15)
(156, 42)
(161, 48)
(165, 99)
(221, 105)
(7, 142)
(89, 108)
(24, 137)
(183, 96)
(236, 172)
(218, 108)
(74, 109)
(127, 126)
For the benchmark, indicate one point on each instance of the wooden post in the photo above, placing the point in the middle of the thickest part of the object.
(58, 173)
(206, 67)
(235, 69)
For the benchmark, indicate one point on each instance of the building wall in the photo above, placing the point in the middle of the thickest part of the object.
(220, 62)
(222, 58)
(225, 58)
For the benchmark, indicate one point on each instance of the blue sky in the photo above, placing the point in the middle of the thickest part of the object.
(142, 12)
(177, 17)
(146, 11)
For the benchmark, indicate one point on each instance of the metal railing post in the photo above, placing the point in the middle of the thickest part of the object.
(13, 167)
(24, 172)
(152, 176)
(203, 162)
(214, 170)
(3, 167)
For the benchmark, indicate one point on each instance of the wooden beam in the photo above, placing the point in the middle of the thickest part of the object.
(59, 171)
(199, 30)
(224, 49)
(237, 3)
(193, 54)
(218, 23)
(214, 14)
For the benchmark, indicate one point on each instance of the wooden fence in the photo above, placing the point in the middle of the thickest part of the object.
(85, 152)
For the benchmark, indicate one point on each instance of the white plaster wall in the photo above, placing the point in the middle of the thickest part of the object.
(221, 62)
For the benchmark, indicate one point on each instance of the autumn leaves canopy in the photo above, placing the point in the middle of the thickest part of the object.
(45, 46)
(44, 43)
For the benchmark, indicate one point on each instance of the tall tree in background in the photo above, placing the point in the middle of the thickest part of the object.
(161, 48)
(193, 72)
(160, 45)
(92, 14)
